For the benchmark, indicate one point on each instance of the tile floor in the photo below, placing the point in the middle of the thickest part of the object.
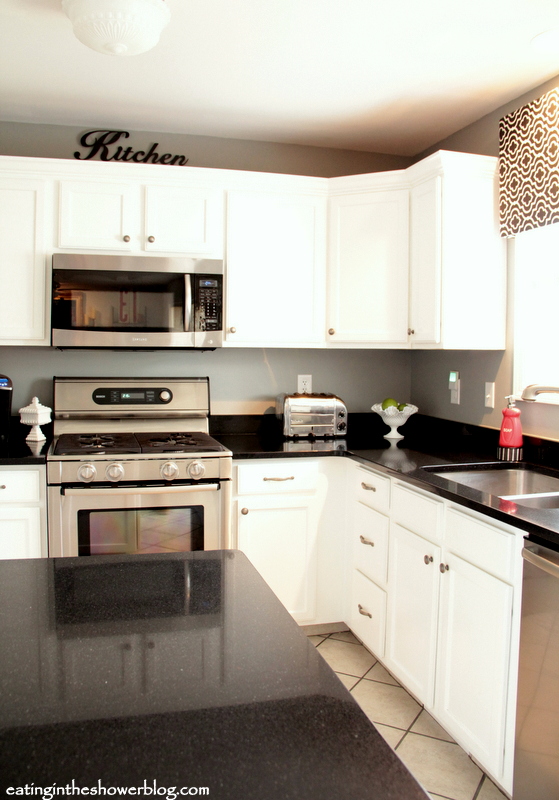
(437, 762)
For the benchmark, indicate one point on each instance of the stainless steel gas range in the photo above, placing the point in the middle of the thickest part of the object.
(133, 469)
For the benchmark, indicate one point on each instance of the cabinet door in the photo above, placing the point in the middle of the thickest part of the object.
(413, 611)
(183, 219)
(368, 268)
(473, 660)
(275, 269)
(278, 534)
(22, 262)
(425, 261)
(98, 216)
(21, 533)
(367, 617)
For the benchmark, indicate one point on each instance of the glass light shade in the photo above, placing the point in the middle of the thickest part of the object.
(118, 27)
(547, 42)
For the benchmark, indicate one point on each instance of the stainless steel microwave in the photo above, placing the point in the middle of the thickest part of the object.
(136, 302)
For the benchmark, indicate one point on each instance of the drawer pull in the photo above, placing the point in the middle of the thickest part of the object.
(244, 511)
(443, 568)
(366, 541)
(368, 487)
(428, 559)
(291, 478)
(363, 612)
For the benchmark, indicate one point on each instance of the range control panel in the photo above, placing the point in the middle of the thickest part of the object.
(135, 396)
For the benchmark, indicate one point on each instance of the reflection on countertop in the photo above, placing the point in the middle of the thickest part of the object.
(182, 668)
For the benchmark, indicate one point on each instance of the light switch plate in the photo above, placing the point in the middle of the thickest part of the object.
(489, 394)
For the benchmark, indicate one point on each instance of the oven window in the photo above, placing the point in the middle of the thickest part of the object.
(118, 301)
(143, 530)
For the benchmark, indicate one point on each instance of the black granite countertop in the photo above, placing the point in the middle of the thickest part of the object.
(15, 450)
(428, 442)
(181, 670)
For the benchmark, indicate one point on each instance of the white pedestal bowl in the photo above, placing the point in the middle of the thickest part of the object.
(394, 418)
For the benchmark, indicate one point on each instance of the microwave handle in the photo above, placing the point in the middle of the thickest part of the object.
(135, 490)
(188, 303)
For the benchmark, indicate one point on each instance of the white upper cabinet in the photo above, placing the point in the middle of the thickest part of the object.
(275, 268)
(141, 217)
(22, 261)
(183, 219)
(368, 265)
(100, 215)
(457, 258)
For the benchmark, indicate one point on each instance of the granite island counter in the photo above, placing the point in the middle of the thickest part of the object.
(175, 671)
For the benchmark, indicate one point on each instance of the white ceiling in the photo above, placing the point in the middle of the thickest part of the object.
(392, 77)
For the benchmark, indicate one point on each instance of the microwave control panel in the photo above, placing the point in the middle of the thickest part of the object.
(208, 301)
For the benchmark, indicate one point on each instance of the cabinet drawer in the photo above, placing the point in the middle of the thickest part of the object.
(19, 486)
(420, 513)
(370, 543)
(367, 617)
(278, 475)
(481, 544)
(373, 490)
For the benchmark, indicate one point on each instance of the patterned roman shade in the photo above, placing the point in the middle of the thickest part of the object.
(529, 165)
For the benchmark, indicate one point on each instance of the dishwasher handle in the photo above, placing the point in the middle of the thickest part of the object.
(541, 562)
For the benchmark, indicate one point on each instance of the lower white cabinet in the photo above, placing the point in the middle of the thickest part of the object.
(413, 611)
(22, 512)
(288, 518)
(451, 606)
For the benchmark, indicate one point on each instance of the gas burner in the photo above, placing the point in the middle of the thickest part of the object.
(70, 444)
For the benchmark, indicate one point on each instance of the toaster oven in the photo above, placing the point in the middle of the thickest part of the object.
(312, 415)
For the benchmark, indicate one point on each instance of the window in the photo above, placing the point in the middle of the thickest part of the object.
(536, 309)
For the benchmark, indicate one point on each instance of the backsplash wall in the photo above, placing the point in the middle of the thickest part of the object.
(242, 381)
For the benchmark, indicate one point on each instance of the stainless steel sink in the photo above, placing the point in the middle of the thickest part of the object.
(506, 482)
(537, 500)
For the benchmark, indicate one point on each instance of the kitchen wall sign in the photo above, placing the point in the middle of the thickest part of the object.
(529, 166)
(99, 144)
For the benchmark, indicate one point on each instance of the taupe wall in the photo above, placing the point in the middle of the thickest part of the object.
(61, 141)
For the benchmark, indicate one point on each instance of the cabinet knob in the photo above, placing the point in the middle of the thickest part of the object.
(368, 487)
(3, 486)
(125, 238)
(244, 511)
(331, 331)
(410, 331)
(151, 238)
(428, 559)
(443, 568)
(362, 611)
(363, 540)
(232, 330)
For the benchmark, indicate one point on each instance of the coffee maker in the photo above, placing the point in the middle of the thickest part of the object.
(6, 390)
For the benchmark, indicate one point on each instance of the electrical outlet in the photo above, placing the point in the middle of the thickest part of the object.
(489, 395)
(304, 384)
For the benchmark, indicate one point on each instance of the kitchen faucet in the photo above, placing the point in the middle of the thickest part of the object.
(534, 389)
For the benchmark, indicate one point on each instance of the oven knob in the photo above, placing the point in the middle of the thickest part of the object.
(169, 470)
(196, 469)
(86, 472)
(114, 471)
(165, 396)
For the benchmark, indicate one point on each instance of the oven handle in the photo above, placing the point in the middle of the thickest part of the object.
(128, 490)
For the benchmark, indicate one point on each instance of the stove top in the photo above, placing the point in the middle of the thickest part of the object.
(90, 444)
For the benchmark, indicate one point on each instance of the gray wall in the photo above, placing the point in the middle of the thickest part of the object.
(429, 379)
(61, 141)
(241, 381)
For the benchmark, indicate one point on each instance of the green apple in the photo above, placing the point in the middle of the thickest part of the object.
(402, 406)
(389, 401)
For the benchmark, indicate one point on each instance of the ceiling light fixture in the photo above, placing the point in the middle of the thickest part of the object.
(118, 27)
(547, 42)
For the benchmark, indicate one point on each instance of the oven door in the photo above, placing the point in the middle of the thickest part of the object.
(133, 519)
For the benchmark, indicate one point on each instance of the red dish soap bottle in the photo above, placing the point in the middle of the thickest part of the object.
(510, 439)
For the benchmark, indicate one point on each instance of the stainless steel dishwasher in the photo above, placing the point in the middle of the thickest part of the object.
(536, 761)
